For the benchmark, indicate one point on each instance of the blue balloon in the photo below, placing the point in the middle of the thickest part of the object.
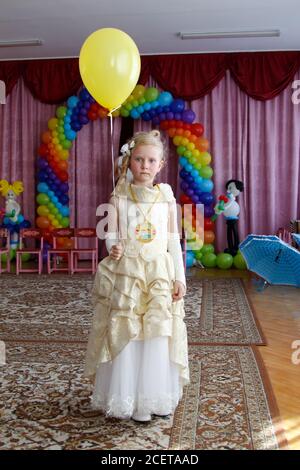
(154, 104)
(177, 106)
(134, 114)
(84, 95)
(165, 98)
(206, 198)
(72, 101)
(146, 116)
(71, 135)
(206, 185)
(189, 259)
(65, 211)
(189, 167)
(194, 173)
(183, 161)
(42, 188)
(147, 106)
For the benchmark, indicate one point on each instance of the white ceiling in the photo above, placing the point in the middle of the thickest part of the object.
(154, 25)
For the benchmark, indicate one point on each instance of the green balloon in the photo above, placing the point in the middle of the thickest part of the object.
(198, 255)
(207, 248)
(180, 150)
(61, 112)
(65, 222)
(239, 261)
(42, 199)
(150, 94)
(124, 112)
(224, 260)
(209, 260)
(206, 172)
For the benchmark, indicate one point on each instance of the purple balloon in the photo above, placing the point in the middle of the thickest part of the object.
(208, 211)
(162, 116)
(83, 120)
(170, 116)
(195, 198)
(189, 192)
(184, 186)
(42, 164)
(64, 187)
(155, 121)
(188, 116)
(177, 116)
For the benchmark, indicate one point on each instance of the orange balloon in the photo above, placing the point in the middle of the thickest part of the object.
(46, 137)
(203, 144)
(42, 222)
(209, 236)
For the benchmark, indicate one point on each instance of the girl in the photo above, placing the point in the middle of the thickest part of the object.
(138, 344)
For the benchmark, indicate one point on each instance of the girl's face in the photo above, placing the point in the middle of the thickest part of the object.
(145, 164)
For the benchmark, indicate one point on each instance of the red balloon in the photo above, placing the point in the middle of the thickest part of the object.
(164, 125)
(208, 224)
(92, 116)
(63, 176)
(43, 150)
(94, 108)
(197, 129)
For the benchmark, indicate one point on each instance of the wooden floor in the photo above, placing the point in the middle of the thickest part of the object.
(278, 311)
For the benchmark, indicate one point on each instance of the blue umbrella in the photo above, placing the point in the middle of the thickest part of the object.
(271, 258)
(296, 237)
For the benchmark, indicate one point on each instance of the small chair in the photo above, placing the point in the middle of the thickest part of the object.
(53, 254)
(30, 233)
(91, 235)
(5, 250)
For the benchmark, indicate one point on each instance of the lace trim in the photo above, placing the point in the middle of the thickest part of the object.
(123, 408)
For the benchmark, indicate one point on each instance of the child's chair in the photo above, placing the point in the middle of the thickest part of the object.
(30, 234)
(54, 254)
(5, 249)
(91, 235)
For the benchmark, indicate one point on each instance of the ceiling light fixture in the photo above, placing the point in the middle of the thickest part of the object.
(231, 34)
(21, 42)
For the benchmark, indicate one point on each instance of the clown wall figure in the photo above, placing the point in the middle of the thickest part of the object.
(13, 220)
(228, 206)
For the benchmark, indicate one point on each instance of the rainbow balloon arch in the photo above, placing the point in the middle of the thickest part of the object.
(148, 104)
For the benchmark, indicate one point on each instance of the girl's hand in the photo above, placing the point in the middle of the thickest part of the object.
(116, 252)
(179, 291)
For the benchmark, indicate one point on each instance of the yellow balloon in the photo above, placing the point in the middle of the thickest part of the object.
(109, 64)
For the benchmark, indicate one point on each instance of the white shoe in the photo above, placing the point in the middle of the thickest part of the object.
(141, 418)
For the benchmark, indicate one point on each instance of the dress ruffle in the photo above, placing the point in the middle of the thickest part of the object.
(133, 301)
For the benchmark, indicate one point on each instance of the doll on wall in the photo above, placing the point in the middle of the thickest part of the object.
(228, 206)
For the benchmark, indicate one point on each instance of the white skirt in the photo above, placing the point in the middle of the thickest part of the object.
(141, 378)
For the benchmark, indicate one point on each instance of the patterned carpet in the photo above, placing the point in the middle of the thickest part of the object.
(218, 312)
(44, 402)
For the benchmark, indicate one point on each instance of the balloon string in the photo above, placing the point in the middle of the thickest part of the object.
(113, 110)
(113, 164)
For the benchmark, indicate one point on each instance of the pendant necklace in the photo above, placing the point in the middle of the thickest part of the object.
(146, 231)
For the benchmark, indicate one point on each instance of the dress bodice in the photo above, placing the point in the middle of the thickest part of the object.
(132, 214)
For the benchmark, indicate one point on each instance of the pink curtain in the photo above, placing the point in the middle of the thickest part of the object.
(22, 120)
(256, 142)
